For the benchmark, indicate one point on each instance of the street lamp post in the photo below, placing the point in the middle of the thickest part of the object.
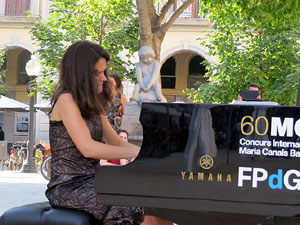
(32, 69)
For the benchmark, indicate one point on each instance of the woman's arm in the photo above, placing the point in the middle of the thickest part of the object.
(123, 100)
(68, 112)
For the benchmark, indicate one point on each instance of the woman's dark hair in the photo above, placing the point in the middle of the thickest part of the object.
(77, 76)
(117, 79)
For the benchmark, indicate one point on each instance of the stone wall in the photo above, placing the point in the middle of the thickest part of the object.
(131, 123)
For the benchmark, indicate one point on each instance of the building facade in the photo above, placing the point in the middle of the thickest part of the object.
(181, 57)
(15, 39)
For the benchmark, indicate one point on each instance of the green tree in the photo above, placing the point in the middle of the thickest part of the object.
(3, 86)
(113, 24)
(116, 24)
(254, 43)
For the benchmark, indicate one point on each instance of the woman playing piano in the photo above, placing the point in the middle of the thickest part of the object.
(78, 123)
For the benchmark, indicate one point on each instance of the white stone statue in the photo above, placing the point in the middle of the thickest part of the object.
(148, 88)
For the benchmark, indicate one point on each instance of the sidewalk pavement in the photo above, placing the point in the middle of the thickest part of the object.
(18, 189)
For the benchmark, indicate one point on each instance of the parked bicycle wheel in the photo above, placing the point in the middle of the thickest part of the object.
(45, 167)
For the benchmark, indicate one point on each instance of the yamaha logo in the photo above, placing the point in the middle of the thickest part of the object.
(206, 162)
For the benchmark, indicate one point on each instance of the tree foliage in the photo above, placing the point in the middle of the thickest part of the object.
(259, 11)
(116, 24)
(254, 42)
(3, 86)
(113, 24)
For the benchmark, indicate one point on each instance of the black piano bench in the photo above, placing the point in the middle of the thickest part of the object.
(43, 214)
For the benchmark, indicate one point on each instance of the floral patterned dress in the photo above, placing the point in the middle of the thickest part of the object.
(73, 178)
(114, 116)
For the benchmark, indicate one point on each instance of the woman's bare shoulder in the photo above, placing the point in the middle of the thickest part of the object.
(65, 98)
(66, 102)
(63, 101)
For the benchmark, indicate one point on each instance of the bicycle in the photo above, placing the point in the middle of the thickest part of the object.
(45, 167)
(17, 156)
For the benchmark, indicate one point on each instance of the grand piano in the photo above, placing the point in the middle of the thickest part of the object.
(212, 164)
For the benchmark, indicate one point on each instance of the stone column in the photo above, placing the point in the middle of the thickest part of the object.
(131, 123)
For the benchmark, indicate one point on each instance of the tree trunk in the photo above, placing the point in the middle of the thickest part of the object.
(158, 38)
(101, 31)
(144, 23)
(153, 27)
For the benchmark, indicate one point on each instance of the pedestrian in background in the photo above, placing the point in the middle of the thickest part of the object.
(2, 135)
(252, 87)
(115, 115)
(123, 134)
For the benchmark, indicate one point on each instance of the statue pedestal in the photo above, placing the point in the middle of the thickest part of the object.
(131, 123)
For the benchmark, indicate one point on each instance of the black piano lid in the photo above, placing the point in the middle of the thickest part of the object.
(168, 172)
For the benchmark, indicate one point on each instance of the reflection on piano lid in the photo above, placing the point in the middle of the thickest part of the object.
(253, 103)
(169, 174)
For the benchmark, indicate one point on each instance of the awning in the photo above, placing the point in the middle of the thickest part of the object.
(12, 104)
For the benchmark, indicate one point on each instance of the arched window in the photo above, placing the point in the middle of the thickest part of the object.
(196, 71)
(167, 71)
(24, 57)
